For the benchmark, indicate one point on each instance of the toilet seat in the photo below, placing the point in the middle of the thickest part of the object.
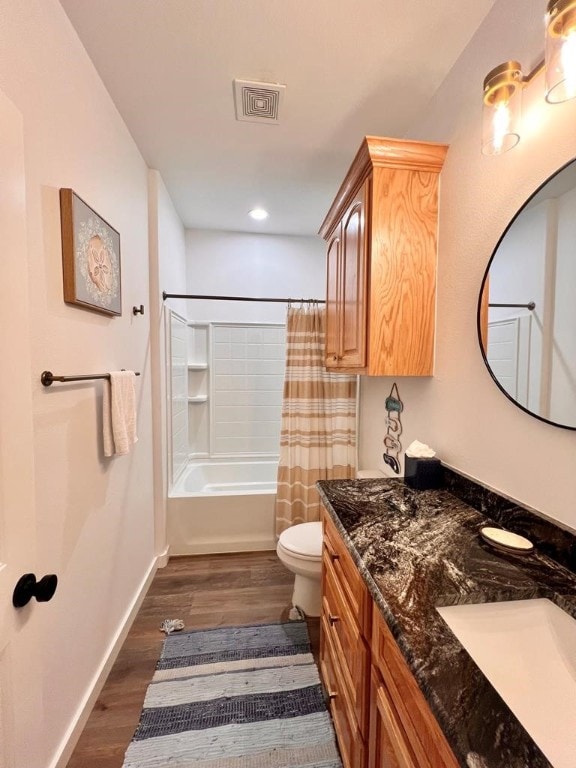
(303, 541)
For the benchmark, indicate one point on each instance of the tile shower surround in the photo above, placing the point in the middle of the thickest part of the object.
(420, 549)
(234, 383)
(247, 378)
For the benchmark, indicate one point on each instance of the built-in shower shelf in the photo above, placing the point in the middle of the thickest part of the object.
(198, 399)
(198, 367)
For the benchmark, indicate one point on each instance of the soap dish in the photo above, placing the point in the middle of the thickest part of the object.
(506, 540)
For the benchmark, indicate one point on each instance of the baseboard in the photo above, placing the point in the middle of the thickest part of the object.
(63, 753)
(221, 546)
(162, 559)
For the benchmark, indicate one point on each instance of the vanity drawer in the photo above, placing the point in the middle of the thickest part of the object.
(351, 649)
(350, 741)
(348, 575)
(427, 741)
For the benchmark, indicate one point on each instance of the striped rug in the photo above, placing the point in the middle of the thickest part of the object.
(235, 697)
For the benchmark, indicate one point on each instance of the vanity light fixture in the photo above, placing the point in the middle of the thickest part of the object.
(560, 53)
(503, 85)
(258, 214)
(502, 108)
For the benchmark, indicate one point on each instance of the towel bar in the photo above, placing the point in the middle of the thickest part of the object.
(48, 378)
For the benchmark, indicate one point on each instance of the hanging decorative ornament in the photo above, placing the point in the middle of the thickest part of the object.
(392, 444)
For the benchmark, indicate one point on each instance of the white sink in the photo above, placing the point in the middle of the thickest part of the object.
(527, 650)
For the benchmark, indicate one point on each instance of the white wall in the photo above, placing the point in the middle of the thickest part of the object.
(167, 267)
(94, 515)
(460, 411)
(240, 264)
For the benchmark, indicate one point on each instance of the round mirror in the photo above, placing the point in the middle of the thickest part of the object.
(527, 304)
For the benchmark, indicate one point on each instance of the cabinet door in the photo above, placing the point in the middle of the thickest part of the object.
(350, 646)
(388, 744)
(413, 715)
(350, 741)
(353, 308)
(332, 343)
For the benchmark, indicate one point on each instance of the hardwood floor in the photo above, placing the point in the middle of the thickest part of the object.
(204, 591)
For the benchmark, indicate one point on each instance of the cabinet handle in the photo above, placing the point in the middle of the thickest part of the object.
(332, 696)
(333, 619)
(331, 554)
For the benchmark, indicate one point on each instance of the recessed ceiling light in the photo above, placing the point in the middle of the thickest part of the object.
(258, 213)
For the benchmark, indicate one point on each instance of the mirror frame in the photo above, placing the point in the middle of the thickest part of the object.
(479, 308)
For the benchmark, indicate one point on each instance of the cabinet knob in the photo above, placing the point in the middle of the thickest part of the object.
(334, 357)
(332, 696)
(333, 619)
(27, 588)
(334, 557)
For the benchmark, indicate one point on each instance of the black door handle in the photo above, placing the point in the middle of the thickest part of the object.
(27, 588)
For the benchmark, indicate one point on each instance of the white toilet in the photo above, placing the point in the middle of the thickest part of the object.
(300, 550)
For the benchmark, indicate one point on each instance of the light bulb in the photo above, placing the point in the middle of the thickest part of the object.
(501, 126)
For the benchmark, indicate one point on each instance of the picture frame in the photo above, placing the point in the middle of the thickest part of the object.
(91, 263)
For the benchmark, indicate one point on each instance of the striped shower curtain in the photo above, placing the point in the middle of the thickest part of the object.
(318, 432)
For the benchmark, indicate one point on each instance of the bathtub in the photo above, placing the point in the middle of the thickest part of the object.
(218, 506)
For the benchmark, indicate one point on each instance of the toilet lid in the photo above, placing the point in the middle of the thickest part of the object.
(303, 539)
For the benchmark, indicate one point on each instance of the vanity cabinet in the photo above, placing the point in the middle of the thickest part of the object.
(403, 730)
(344, 648)
(380, 716)
(381, 260)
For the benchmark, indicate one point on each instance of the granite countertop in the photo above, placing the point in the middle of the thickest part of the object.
(417, 550)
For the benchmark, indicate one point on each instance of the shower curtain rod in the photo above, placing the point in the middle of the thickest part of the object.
(530, 305)
(239, 298)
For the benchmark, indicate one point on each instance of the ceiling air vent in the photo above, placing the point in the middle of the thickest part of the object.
(258, 102)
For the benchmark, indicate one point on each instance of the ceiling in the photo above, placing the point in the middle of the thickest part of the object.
(351, 68)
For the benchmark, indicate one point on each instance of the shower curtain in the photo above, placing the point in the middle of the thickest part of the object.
(318, 430)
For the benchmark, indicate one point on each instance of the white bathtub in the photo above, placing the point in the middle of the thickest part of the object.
(223, 507)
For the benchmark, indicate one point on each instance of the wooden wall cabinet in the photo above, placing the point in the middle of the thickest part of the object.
(380, 716)
(346, 316)
(381, 234)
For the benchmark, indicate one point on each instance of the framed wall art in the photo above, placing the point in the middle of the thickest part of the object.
(90, 257)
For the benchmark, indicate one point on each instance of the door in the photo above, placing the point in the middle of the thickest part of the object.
(508, 356)
(332, 344)
(20, 686)
(353, 292)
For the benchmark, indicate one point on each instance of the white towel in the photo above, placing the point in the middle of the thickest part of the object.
(119, 413)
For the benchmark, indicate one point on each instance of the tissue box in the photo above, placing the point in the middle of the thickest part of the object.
(422, 474)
